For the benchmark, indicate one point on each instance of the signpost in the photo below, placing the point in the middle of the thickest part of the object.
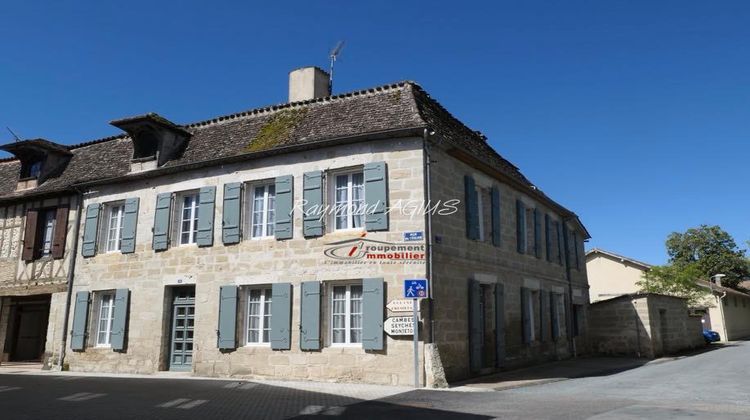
(415, 289)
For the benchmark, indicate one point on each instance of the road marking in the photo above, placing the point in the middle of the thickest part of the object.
(173, 402)
(68, 378)
(9, 388)
(248, 385)
(240, 385)
(334, 411)
(311, 409)
(81, 396)
(192, 404)
(232, 385)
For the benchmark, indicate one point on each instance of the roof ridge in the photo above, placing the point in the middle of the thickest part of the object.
(254, 111)
(286, 105)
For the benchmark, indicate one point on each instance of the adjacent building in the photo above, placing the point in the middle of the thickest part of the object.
(727, 310)
(274, 242)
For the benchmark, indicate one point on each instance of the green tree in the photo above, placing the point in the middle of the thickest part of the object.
(710, 250)
(677, 281)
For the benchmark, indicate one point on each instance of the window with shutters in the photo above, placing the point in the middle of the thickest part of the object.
(555, 307)
(114, 213)
(532, 308)
(577, 319)
(348, 198)
(104, 305)
(481, 212)
(530, 238)
(46, 231)
(346, 314)
(262, 210)
(188, 220)
(258, 316)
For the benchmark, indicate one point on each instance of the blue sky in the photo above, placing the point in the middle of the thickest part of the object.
(632, 113)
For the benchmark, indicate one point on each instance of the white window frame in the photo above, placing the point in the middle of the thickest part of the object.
(261, 315)
(266, 231)
(347, 314)
(47, 232)
(349, 173)
(107, 316)
(193, 219)
(114, 244)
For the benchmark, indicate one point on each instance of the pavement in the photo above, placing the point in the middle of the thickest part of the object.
(712, 384)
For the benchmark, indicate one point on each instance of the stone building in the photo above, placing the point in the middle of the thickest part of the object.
(724, 310)
(268, 243)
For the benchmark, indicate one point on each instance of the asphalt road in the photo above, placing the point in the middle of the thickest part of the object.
(714, 384)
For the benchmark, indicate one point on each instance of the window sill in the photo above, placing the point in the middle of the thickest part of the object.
(345, 346)
(258, 345)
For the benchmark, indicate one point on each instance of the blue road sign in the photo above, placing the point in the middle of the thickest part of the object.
(415, 288)
(413, 236)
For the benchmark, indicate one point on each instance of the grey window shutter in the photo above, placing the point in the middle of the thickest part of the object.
(373, 302)
(537, 233)
(543, 310)
(475, 327)
(161, 221)
(376, 196)
(129, 224)
(120, 319)
(284, 207)
(472, 208)
(548, 236)
(554, 303)
(575, 251)
(312, 196)
(206, 204)
(520, 226)
(226, 332)
(499, 325)
(80, 321)
(560, 244)
(309, 329)
(525, 315)
(281, 316)
(230, 216)
(90, 228)
(496, 216)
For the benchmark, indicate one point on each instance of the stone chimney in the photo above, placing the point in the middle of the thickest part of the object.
(307, 83)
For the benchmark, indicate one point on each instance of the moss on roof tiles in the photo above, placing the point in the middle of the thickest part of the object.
(276, 130)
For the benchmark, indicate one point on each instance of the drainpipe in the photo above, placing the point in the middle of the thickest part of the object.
(568, 275)
(71, 270)
(426, 134)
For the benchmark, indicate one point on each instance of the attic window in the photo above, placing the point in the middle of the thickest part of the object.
(31, 169)
(146, 146)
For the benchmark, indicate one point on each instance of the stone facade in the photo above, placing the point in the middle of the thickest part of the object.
(458, 259)
(149, 274)
(644, 325)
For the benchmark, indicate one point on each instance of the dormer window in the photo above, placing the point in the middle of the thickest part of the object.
(156, 140)
(40, 160)
(31, 169)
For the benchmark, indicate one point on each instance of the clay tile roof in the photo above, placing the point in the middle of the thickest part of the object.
(397, 107)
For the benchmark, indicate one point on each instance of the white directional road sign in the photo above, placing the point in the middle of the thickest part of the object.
(400, 305)
(399, 325)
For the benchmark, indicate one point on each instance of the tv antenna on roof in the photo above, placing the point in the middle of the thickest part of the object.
(14, 134)
(333, 55)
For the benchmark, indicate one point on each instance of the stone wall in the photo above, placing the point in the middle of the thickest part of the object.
(644, 325)
(148, 275)
(458, 259)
